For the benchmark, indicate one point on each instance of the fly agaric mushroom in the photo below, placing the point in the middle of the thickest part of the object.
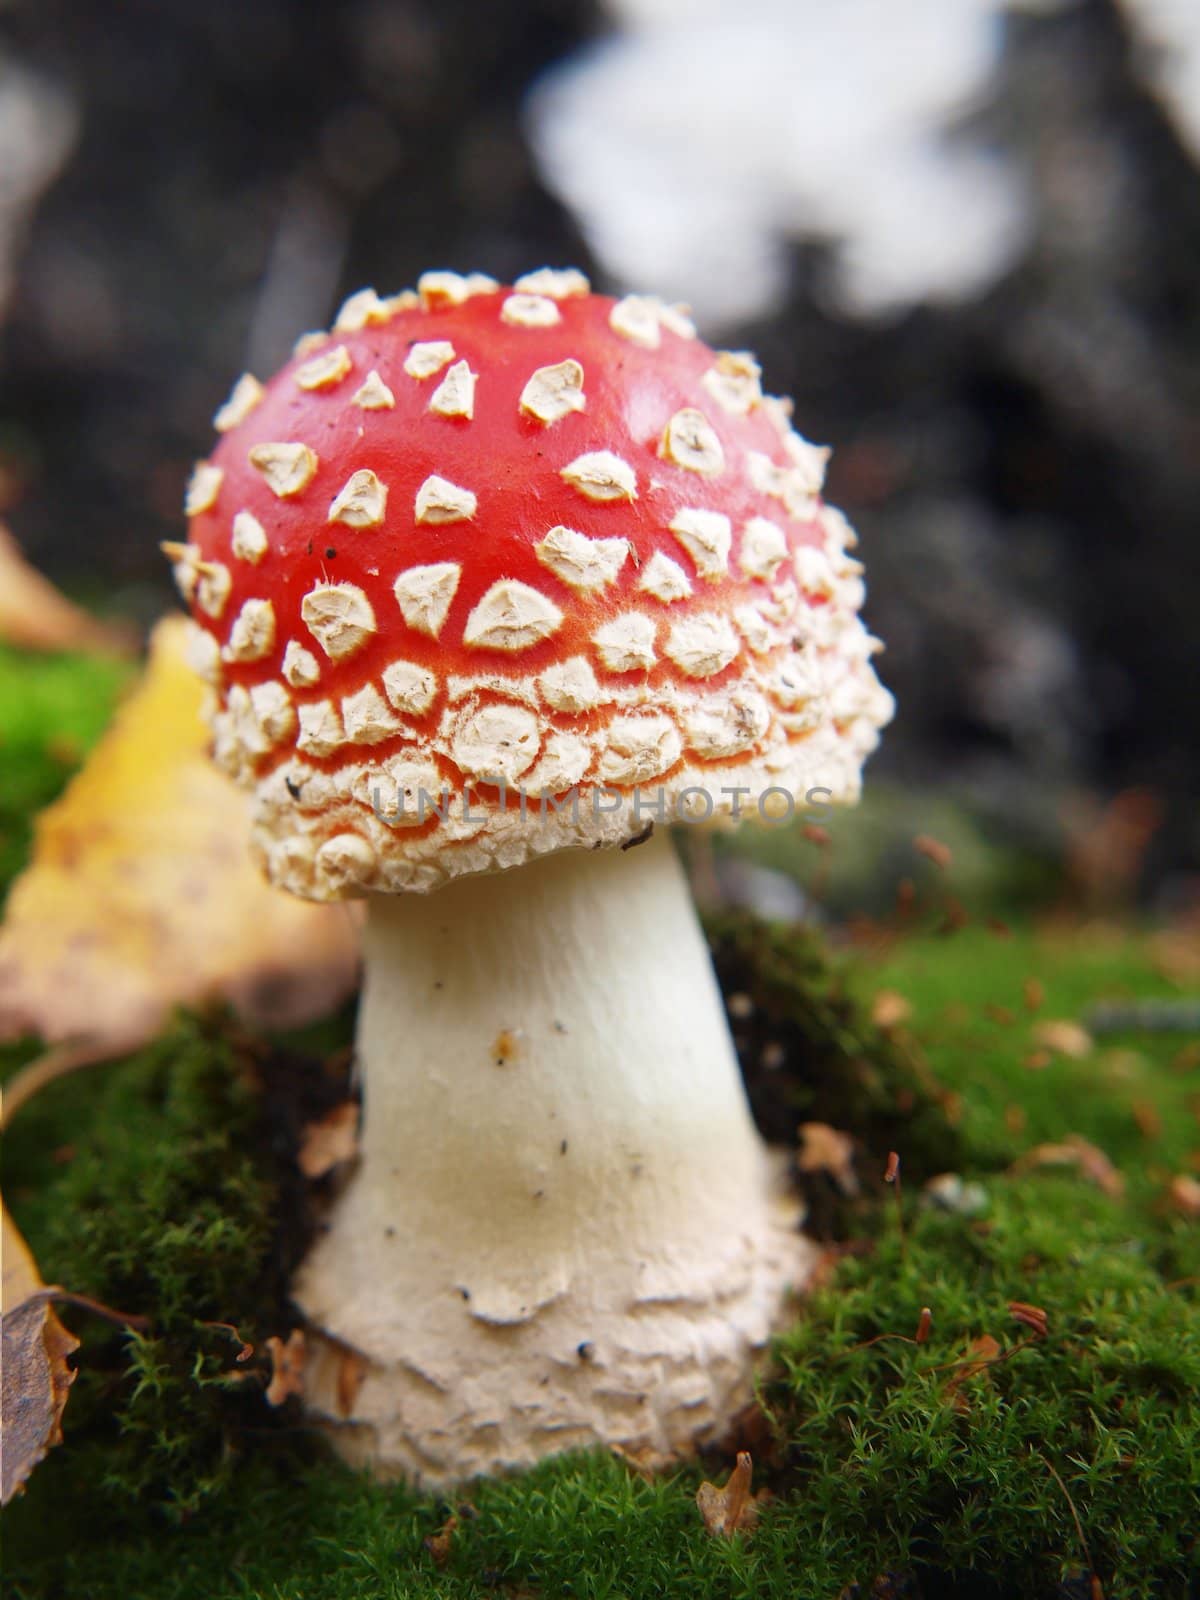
(485, 580)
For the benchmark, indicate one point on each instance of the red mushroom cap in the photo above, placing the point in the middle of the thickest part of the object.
(481, 540)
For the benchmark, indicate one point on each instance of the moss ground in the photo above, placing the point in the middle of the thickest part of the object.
(158, 1183)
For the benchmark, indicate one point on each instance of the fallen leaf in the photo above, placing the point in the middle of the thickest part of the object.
(981, 1353)
(732, 1509)
(35, 616)
(287, 1366)
(826, 1149)
(1064, 1037)
(1185, 1195)
(329, 1142)
(889, 1009)
(142, 895)
(1075, 1151)
(35, 1376)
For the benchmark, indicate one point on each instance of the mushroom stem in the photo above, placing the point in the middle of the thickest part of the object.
(565, 1229)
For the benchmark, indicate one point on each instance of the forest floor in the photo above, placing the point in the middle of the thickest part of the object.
(1038, 1433)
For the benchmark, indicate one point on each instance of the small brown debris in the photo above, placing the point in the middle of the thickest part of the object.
(287, 1366)
(981, 1353)
(999, 1014)
(330, 1141)
(1037, 1060)
(506, 1047)
(1185, 1195)
(1031, 1317)
(933, 850)
(733, 1509)
(438, 1544)
(889, 1009)
(828, 1150)
(924, 1323)
(1015, 1118)
(1064, 1037)
(1035, 994)
(352, 1369)
(1075, 1151)
(1176, 954)
(1147, 1117)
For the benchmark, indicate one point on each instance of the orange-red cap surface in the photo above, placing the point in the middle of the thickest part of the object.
(527, 534)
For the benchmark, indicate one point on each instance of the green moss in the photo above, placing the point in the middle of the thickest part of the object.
(810, 1052)
(167, 1203)
(895, 1474)
(163, 1206)
(52, 709)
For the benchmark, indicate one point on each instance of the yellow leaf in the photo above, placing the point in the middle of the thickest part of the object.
(142, 895)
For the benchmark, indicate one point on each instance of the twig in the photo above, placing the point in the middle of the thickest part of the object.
(59, 1062)
(53, 1291)
(986, 1361)
(1097, 1591)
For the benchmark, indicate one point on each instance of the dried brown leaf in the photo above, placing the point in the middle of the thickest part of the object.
(438, 1544)
(142, 894)
(329, 1142)
(732, 1509)
(34, 1376)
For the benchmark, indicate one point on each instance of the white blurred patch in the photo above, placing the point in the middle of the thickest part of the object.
(700, 140)
(695, 144)
(37, 129)
(1171, 31)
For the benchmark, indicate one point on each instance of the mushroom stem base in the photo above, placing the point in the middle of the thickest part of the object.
(565, 1230)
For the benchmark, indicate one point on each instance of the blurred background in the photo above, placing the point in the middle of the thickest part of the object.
(964, 236)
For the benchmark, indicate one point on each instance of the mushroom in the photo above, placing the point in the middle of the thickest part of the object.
(490, 585)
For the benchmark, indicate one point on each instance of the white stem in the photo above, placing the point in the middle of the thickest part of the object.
(565, 1228)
